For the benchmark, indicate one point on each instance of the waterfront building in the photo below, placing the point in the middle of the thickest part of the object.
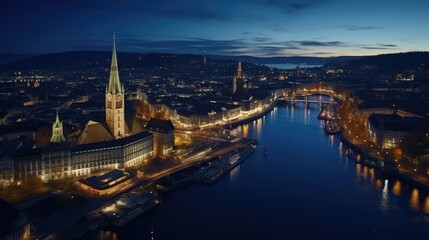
(387, 131)
(117, 143)
(369, 108)
(163, 136)
(105, 184)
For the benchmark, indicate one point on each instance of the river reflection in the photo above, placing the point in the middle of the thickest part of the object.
(306, 188)
(396, 189)
(385, 203)
(234, 172)
(414, 199)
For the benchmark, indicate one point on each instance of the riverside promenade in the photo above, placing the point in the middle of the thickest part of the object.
(401, 173)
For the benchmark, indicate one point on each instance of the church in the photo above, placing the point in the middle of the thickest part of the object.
(239, 84)
(116, 143)
(116, 125)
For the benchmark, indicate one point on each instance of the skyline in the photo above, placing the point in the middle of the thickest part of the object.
(263, 28)
(96, 144)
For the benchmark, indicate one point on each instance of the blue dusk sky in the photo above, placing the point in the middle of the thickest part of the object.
(243, 27)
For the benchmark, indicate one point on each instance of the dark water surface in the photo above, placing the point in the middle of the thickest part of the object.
(305, 188)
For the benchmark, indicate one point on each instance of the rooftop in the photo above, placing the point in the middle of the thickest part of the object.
(159, 125)
(395, 122)
(106, 180)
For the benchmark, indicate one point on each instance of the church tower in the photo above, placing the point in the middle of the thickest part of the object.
(115, 105)
(205, 58)
(238, 80)
(57, 131)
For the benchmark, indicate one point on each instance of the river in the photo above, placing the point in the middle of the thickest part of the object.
(305, 188)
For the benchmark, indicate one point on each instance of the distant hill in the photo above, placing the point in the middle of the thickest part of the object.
(387, 66)
(10, 57)
(388, 62)
(79, 60)
(283, 60)
(62, 61)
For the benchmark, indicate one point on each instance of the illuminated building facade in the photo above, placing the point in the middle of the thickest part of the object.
(117, 143)
(58, 159)
(387, 131)
(163, 132)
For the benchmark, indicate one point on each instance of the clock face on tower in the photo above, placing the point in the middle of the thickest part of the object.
(118, 96)
(109, 97)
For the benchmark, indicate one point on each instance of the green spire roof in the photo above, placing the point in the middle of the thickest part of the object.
(115, 85)
(57, 131)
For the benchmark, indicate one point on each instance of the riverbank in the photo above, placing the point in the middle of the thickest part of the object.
(372, 160)
(303, 167)
(253, 117)
(207, 172)
(382, 166)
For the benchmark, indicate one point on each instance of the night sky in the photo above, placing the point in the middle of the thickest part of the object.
(241, 27)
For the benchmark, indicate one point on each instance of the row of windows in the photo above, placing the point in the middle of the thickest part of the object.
(93, 164)
(94, 159)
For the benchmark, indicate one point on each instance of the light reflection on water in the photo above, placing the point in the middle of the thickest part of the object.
(331, 140)
(372, 175)
(414, 200)
(396, 189)
(246, 130)
(234, 172)
(384, 201)
(306, 116)
(108, 235)
(382, 197)
(426, 206)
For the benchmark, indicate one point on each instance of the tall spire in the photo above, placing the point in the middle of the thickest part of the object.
(205, 58)
(57, 131)
(239, 70)
(115, 109)
(115, 85)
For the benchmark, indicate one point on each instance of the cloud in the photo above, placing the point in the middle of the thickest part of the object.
(358, 28)
(256, 46)
(165, 9)
(319, 44)
(276, 27)
(289, 6)
(380, 46)
(322, 53)
(251, 46)
(241, 46)
(262, 39)
(389, 45)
